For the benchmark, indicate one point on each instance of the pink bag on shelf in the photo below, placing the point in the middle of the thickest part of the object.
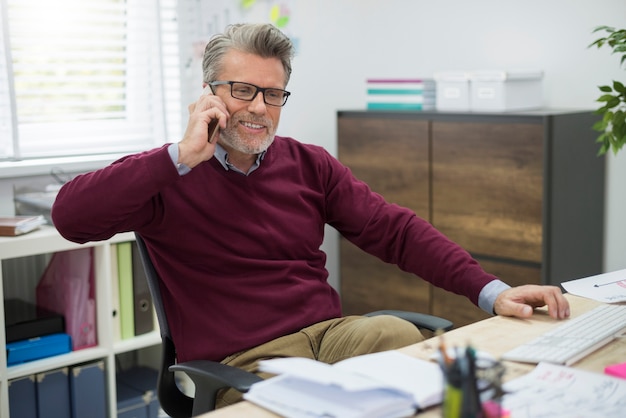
(67, 287)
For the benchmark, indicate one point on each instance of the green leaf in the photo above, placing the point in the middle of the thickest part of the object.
(619, 87)
(613, 103)
(605, 98)
(604, 27)
(606, 89)
(599, 126)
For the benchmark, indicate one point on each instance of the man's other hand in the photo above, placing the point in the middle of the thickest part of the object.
(521, 300)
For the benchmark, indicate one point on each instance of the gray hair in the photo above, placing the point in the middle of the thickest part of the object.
(262, 39)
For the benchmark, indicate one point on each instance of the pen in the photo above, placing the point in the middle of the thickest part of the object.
(444, 351)
(471, 401)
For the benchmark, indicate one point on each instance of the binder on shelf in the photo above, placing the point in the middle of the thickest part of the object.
(116, 326)
(53, 394)
(125, 279)
(88, 390)
(24, 320)
(23, 397)
(142, 301)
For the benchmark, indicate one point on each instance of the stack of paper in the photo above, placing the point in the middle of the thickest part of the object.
(401, 94)
(388, 384)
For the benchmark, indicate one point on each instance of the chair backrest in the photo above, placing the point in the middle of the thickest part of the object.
(173, 401)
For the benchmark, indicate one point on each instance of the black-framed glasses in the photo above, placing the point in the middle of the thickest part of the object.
(246, 91)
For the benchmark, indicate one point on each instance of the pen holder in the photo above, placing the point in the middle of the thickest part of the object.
(473, 386)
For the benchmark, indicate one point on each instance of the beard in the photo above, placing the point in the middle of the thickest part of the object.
(247, 144)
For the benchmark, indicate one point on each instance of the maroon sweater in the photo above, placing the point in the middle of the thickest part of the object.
(240, 255)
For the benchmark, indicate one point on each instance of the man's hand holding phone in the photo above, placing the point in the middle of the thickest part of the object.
(206, 117)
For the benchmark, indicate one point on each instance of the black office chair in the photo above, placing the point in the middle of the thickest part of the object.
(210, 376)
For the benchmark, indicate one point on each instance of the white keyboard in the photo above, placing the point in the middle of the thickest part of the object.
(575, 339)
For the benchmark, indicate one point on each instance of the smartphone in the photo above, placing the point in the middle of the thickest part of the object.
(213, 125)
(213, 129)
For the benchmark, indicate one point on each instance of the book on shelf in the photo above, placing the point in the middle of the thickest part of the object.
(11, 226)
(387, 384)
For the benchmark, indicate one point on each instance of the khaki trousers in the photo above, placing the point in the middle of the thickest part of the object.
(329, 342)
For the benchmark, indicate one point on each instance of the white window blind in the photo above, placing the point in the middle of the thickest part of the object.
(88, 76)
(6, 96)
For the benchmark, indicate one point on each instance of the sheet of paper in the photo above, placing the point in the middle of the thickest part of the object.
(563, 392)
(423, 379)
(607, 287)
(319, 372)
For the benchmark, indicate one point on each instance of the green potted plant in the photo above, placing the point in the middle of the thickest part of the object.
(613, 98)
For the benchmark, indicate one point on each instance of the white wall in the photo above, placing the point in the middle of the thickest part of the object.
(343, 42)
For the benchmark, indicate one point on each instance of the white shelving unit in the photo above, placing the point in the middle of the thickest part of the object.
(47, 241)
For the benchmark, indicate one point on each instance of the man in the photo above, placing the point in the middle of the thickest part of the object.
(234, 225)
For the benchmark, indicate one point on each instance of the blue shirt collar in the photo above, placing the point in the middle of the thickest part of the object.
(222, 156)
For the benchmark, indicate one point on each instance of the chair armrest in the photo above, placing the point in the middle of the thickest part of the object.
(209, 377)
(221, 374)
(420, 320)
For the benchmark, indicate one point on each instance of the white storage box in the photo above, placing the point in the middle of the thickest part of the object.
(505, 90)
(453, 90)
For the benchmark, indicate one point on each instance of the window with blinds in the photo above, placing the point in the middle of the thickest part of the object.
(87, 77)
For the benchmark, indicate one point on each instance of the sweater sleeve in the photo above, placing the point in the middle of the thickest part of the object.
(398, 236)
(118, 198)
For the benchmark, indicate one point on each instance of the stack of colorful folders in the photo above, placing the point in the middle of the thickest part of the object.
(401, 94)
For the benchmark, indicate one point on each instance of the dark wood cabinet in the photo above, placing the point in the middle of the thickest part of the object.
(401, 173)
(522, 192)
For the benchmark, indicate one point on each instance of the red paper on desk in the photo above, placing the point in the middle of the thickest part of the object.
(618, 370)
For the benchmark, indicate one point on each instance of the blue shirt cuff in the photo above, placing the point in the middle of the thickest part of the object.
(489, 293)
(183, 169)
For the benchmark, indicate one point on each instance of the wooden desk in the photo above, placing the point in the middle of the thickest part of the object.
(495, 335)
